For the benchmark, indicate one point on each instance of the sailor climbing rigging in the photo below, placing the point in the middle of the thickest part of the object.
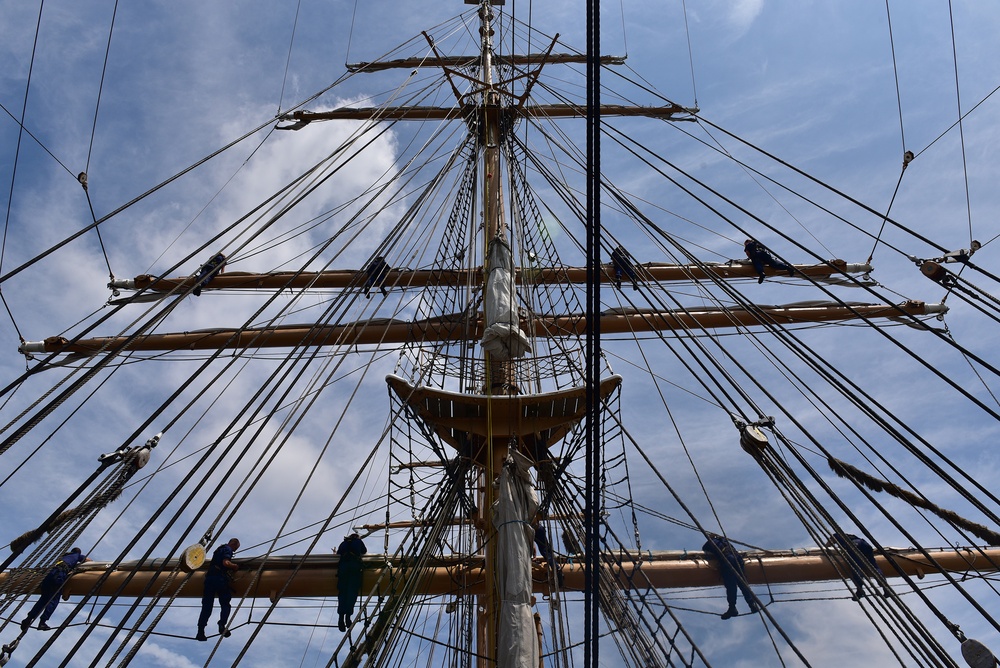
(349, 578)
(546, 551)
(732, 570)
(51, 586)
(217, 586)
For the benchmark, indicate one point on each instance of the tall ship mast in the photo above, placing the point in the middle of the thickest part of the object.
(393, 342)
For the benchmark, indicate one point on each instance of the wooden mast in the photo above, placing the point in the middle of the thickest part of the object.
(497, 374)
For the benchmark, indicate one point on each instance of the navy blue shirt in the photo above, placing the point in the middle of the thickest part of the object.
(218, 568)
(73, 558)
(350, 552)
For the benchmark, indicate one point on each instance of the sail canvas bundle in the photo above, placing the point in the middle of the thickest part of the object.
(503, 337)
(513, 512)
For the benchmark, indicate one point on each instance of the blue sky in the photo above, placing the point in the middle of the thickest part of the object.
(819, 85)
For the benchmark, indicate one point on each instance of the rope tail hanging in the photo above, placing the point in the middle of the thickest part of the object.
(130, 460)
(845, 470)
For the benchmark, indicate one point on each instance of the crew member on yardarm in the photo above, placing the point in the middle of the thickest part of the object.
(621, 262)
(217, 585)
(375, 275)
(860, 559)
(546, 551)
(349, 578)
(759, 256)
(215, 266)
(51, 586)
(732, 570)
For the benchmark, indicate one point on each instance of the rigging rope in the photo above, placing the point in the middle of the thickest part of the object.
(288, 58)
(907, 158)
(961, 126)
(20, 132)
(845, 470)
(97, 106)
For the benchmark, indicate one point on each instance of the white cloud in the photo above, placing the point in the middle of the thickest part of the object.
(743, 13)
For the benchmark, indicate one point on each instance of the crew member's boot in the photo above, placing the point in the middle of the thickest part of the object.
(201, 634)
(731, 612)
(341, 624)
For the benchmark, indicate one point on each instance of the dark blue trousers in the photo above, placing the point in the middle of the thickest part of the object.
(216, 586)
(49, 598)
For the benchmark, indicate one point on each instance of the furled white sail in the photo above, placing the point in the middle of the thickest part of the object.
(503, 338)
(513, 514)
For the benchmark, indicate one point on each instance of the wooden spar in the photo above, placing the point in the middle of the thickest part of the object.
(417, 113)
(407, 278)
(452, 328)
(466, 61)
(316, 575)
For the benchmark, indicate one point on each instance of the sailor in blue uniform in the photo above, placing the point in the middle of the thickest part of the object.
(51, 586)
(759, 256)
(220, 569)
(860, 559)
(349, 578)
(545, 549)
(215, 266)
(732, 571)
(375, 275)
(622, 264)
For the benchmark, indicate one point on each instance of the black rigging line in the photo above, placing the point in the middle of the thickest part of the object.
(963, 473)
(960, 119)
(6, 306)
(895, 74)
(238, 437)
(100, 88)
(354, 294)
(93, 216)
(780, 332)
(687, 33)
(892, 200)
(114, 213)
(160, 185)
(218, 352)
(820, 183)
(961, 126)
(563, 492)
(801, 498)
(20, 133)
(903, 315)
(288, 59)
(350, 35)
(38, 141)
(592, 506)
(83, 178)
